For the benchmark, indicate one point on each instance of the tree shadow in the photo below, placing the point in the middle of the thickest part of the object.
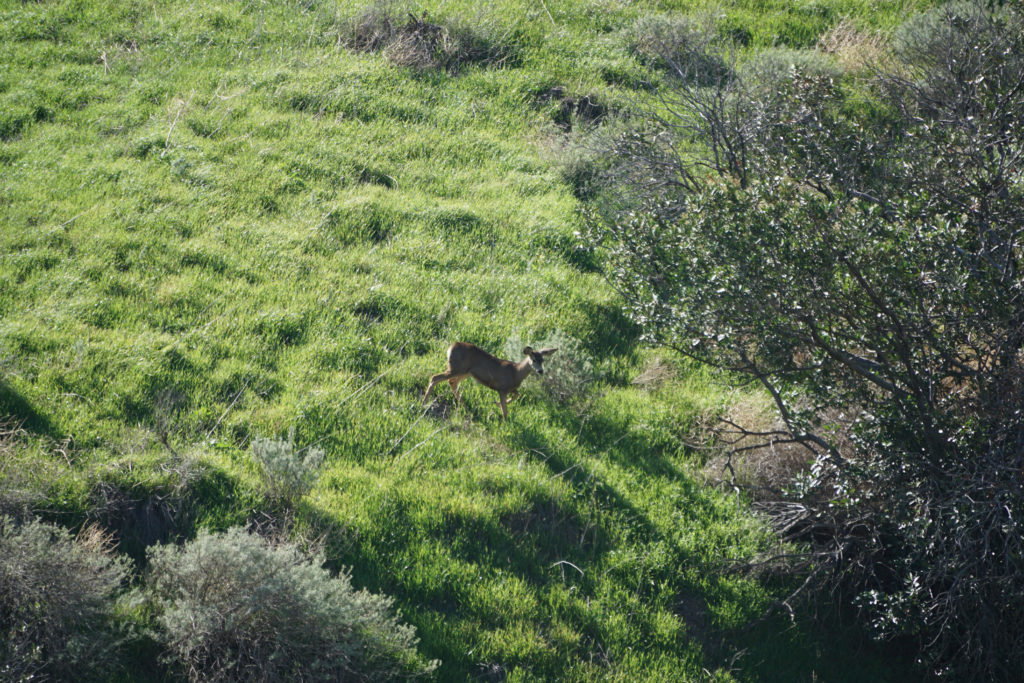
(16, 406)
(545, 541)
(821, 642)
(427, 559)
(614, 440)
(776, 649)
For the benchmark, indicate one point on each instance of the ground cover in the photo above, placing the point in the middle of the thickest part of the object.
(220, 223)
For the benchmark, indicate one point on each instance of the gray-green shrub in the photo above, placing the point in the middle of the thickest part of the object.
(56, 600)
(568, 373)
(287, 474)
(777, 65)
(683, 47)
(233, 607)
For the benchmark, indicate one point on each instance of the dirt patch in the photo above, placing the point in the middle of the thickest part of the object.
(760, 465)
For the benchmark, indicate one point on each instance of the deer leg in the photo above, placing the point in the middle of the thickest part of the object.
(454, 382)
(434, 381)
(502, 401)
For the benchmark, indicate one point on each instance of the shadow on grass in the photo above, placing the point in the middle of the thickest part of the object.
(822, 643)
(431, 562)
(431, 559)
(16, 406)
(141, 514)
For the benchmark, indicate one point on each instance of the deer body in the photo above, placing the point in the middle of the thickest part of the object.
(504, 376)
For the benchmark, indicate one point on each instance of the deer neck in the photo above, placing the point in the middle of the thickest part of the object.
(523, 370)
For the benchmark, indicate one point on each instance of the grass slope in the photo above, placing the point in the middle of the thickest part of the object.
(218, 223)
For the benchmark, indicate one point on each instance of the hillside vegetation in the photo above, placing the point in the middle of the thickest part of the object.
(222, 222)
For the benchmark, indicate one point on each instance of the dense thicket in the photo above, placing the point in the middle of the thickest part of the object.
(855, 247)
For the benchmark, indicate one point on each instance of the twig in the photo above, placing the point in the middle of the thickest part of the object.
(429, 437)
(363, 388)
(174, 123)
(402, 438)
(548, 12)
(567, 562)
(565, 471)
(775, 606)
(75, 218)
(376, 379)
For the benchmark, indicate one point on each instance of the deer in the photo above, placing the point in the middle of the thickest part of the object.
(504, 376)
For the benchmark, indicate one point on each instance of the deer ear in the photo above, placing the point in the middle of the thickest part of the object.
(527, 350)
(546, 352)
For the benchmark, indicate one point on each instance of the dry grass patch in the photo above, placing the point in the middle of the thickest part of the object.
(420, 44)
(754, 453)
(656, 373)
(853, 48)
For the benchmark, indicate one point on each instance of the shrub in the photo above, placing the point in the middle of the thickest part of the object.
(681, 46)
(233, 607)
(415, 42)
(568, 373)
(287, 475)
(778, 65)
(579, 168)
(56, 596)
(582, 159)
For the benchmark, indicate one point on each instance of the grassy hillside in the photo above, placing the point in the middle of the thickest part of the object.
(217, 222)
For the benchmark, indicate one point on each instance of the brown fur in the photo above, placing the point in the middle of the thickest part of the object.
(504, 376)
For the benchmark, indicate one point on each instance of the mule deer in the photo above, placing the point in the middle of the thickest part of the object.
(504, 376)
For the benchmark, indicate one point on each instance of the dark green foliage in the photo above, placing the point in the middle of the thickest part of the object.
(232, 607)
(870, 275)
(56, 598)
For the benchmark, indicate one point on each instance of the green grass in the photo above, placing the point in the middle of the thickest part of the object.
(218, 223)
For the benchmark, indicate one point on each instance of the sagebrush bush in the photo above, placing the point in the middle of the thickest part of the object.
(233, 607)
(56, 599)
(567, 374)
(582, 157)
(779, 64)
(853, 48)
(579, 169)
(287, 473)
(920, 33)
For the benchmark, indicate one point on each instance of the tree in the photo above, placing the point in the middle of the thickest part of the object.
(856, 250)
